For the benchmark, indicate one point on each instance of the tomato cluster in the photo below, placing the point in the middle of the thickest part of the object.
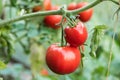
(51, 21)
(83, 16)
(65, 59)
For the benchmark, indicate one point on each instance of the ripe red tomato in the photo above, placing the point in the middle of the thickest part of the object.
(44, 72)
(47, 4)
(62, 60)
(36, 8)
(76, 36)
(72, 6)
(53, 20)
(85, 15)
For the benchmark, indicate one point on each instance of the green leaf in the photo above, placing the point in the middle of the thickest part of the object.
(13, 2)
(96, 37)
(0, 6)
(2, 65)
(101, 27)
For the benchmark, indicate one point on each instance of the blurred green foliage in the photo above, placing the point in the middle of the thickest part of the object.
(31, 39)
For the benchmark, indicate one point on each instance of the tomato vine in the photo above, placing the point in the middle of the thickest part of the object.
(98, 30)
(44, 13)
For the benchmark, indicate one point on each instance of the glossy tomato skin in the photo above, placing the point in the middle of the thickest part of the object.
(76, 36)
(63, 60)
(36, 8)
(47, 4)
(72, 6)
(85, 15)
(52, 21)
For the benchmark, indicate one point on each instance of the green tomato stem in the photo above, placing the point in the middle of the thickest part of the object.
(62, 32)
(53, 12)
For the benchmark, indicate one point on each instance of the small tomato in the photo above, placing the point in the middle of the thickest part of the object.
(85, 15)
(47, 4)
(53, 20)
(44, 72)
(77, 35)
(36, 8)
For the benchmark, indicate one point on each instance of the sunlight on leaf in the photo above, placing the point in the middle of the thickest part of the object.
(2, 65)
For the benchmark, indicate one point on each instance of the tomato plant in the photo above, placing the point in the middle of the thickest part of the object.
(85, 15)
(28, 35)
(76, 35)
(62, 60)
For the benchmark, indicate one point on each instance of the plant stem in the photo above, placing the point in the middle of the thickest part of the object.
(114, 2)
(111, 47)
(53, 12)
(31, 15)
(62, 32)
(21, 37)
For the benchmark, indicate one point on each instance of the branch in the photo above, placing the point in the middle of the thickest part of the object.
(92, 4)
(53, 12)
(114, 2)
(31, 15)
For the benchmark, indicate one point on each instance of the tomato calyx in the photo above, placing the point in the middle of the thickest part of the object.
(72, 21)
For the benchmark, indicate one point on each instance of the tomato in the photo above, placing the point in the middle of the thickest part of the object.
(47, 4)
(85, 15)
(62, 60)
(72, 6)
(53, 20)
(54, 7)
(76, 36)
(36, 8)
(44, 72)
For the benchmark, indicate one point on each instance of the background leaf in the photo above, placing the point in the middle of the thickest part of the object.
(2, 65)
